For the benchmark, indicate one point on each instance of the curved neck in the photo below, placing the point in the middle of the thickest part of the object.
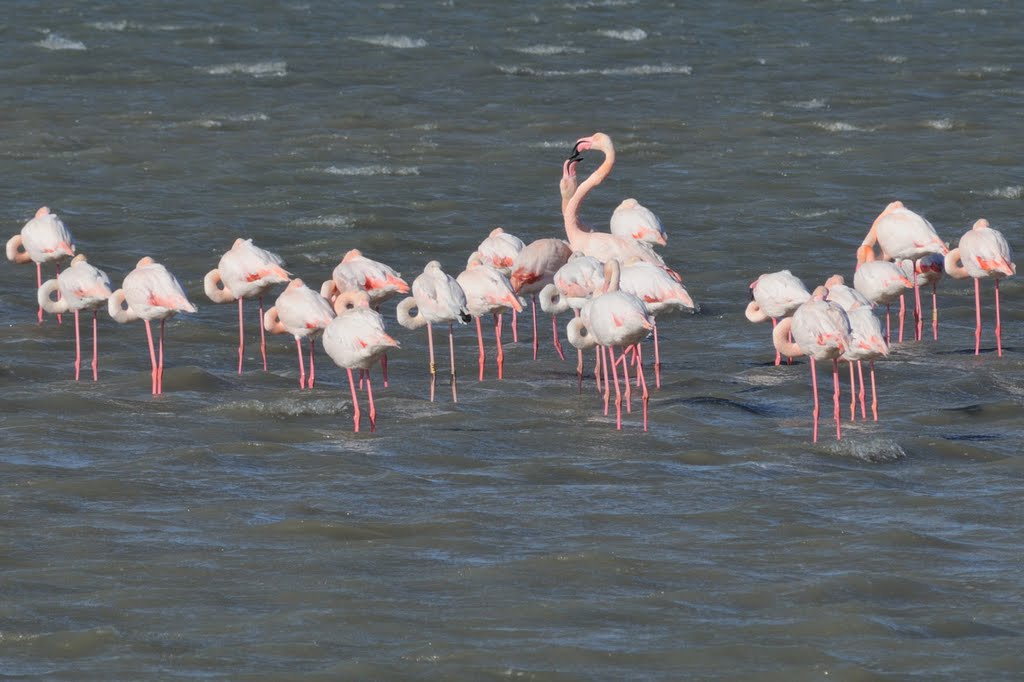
(755, 314)
(215, 288)
(272, 321)
(953, 266)
(578, 334)
(405, 316)
(45, 296)
(118, 310)
(16, 250)
(780, 337)
(611, 276)
(551, 300)
(570, 213)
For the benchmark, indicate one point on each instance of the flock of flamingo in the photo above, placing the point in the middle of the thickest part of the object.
(615, 283)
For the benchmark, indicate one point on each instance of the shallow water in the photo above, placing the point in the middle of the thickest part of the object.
(236, 528)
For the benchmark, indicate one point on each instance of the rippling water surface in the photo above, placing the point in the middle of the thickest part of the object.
(235, 527)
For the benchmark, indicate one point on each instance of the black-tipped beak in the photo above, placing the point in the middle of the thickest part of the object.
(576, 156)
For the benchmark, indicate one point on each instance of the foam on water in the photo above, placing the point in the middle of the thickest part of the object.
(257, 69)
(326, 221)
(629, 34)
(546, 50)
(109, 25)
(809, 105)
(840, 127)
(398, 42)
(1008, 192)
(643, 70)
(370, 170)
(55, 41)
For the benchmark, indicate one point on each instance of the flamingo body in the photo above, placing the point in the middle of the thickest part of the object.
(632, 220)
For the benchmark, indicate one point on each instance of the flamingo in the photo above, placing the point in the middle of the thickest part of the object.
(534, 268)
(632, 220)
(43, 239)
(928, 270)
(150, 292)
(499, 250)
(612, 319)
(601, 245)
(821, 330)
(437, 298)
(866, 343)
(245, 271)
(381, 282)
(356, 339)
(902, 234)
(488, 291)
(982, 253)
(844, 296)
(81, 287)
(660, 292)
(572, 286)
(303, 313)
(881, 282)
(775, 295)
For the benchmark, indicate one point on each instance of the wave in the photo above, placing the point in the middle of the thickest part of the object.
(55, 41)
(809, 105)
(326, 221)
(545, 50)
(109, 25)
(399, 42)
(840, 127)
(228, 120)
(372, 170)
(1009, 192)
(643, 70)
(257, 70)
(942, 124)
(630, 34)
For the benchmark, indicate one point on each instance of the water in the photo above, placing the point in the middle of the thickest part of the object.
(235, 528)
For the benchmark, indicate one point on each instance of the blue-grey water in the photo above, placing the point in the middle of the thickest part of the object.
(236, 528)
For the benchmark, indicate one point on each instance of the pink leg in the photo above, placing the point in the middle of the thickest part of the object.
(373, 408)
(874, 397)
(778, 355)
(95, 349)
(533, 305)
(625, 380)
(903, 310)
(302, 364)
(160, 360)
(39, 284)
(977, 314)
(241, 336)
(860, 372)
(657, 358)
(604, 370)
(499, 351)
(60, 318)
(312, 369)
(643, 387)
(515, 327)
(451, 354)
(480, 343)
(433, 367)
(853, 393)
(814, 385)
(835, 396)
(888, 324)
(78, 348)
(554, 332)
(618, 393)
(263, 337)
(918, 312)
(597, 368)
(935, 313)
(152, 356)
(384, 368)
(999, 328)
(355, 401)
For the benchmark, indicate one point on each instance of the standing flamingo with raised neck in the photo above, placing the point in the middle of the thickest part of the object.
(603, 246)
(245, 271)
(773, 296)
(821, 331)
(356, 339)
(982, 253)
(44, 239)
(437, 298)
(81, 287)
(614, 319)
(488, 292)
(303, 313)
(150, 292)
(902, 235)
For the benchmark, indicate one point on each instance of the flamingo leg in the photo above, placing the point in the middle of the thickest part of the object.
(39, 283)
(152, 356)
(60, 318)
(643, 386)
(480, 343)
(977, 315)
(874, 397)
(902, 314)
(935, 313)
(604, 369)
(302, 364)
(95, 349)
(999, 329)
(598, 368)
(835, 396)
(533, 306)
(554, 332)
(78, 348)
(814, 386)
(160, 360)
(373, 408)
(263, 337)
(433, 367)
(451, 354)
(853, 393)
(312, 369)
(618, 393)
(499, 351)
(778, 355)
(625, 379)
(355, 401)
(657, 358)
(384, 368)
(888, 324)
(918, 311)
(860, 372)
(515, 327)
(241, 337)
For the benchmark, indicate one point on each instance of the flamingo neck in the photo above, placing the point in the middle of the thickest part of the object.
(570, 212)
(953, 266)
(215, 289)
(780, 337)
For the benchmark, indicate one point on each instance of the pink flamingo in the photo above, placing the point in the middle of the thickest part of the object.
(821, 330)
(881, 282)
(775, 295)
(356, 339)
(902, 234)
(499, 250)
(632, 220)
(572, 286)
(150, 292)
(927, 270)
(436, 298)
(43, 239)
(866, 343)
(81, 287)
(601, 245)
(245, 271)
(534, 268)
(660, 292)
(303, 313)
(381, 282)
(982, 253)
(488, 292)
(613, 319)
